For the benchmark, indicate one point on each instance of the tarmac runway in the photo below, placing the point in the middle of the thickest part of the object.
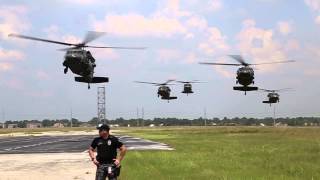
(62, 144)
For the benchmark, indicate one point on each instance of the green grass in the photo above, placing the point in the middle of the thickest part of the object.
(227, 153)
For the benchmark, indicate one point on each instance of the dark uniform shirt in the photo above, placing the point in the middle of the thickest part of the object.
(106, 148)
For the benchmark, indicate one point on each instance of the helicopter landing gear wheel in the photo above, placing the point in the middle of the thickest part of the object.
(88, 86)
(65, 70)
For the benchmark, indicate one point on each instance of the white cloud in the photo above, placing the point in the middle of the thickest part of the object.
(13, 20)
(215, 5)
(317, 20)
(5, 66)
(269, 48)
(284, 28)
(7, 58)
(166, 21)
(313, 4)
(215, 42)
(197, 22)
(9, 55)
(138, 25)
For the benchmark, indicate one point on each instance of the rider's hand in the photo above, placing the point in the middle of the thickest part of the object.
(116, 162)
(95, 162)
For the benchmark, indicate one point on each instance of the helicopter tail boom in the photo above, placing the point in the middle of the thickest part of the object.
(93, 80)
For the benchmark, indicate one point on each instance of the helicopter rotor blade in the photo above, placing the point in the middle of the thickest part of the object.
(276, 90)
(190, 82)
(91, 36)
(219, 64)
(40, 39)
(167, 82)
(114, 47)
(274, 62)
(239, 59)
(143, 82)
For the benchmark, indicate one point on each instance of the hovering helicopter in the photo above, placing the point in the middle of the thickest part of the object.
(245, 74)
(187, 86)
(273, 95)
(163, 90)
(77, 59)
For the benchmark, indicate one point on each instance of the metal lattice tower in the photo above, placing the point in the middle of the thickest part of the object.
(102, 104)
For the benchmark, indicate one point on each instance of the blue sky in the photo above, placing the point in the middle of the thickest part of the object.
(178, 35)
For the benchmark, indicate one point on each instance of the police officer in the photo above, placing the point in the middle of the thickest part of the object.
(106, 146)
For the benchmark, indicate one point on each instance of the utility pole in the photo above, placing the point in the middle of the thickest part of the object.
(3, 118)
(274, 115)
(137, 117)
(71, 118)
(142, 115)
(205, 116)
(101, 105)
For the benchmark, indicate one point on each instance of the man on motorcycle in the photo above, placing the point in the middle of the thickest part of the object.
(106, 146)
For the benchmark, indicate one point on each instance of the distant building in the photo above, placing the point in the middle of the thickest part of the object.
(34, 125)
(11, 126)
(2, 125)
(281, 124)
(114, 125)
(151, 125)
(58, 125)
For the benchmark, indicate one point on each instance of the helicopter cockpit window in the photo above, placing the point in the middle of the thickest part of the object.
(89, 56)
(74, 53)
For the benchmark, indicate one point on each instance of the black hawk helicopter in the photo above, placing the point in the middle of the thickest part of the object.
(245, 74)
(187, 86)
(273, 95)
(163, 90)
(77, 59)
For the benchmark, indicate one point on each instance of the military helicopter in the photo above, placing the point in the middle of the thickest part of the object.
(273, 95)
(187, 86)
(163, 90)
(245, 74)
(77, 59)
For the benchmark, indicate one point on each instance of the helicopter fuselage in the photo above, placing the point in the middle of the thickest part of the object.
(187, 88)
(164, 92)
(274, 97)
(80, 62)
(245, 76)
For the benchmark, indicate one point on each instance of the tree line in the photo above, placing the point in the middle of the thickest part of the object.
(297, 121)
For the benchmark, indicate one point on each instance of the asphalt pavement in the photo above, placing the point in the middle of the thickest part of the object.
(71, 143)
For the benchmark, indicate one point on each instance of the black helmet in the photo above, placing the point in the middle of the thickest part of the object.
(102, 127)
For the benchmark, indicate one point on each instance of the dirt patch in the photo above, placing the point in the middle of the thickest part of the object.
(67, 166)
